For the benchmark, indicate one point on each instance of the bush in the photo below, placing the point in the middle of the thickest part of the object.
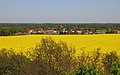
(88, 63)
(111, 63)
(12, 63)
(54, 58)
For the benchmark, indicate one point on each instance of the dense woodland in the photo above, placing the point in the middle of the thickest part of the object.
(11, 28)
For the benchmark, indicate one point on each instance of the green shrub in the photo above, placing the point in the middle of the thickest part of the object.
(12, 63)
(87, 70)
(111, 63)
(54, 58)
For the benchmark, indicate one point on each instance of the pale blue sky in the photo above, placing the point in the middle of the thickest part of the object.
(50, 11)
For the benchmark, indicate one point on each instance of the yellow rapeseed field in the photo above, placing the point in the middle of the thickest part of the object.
(107, 42)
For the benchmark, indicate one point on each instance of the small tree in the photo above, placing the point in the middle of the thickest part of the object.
(53, 58)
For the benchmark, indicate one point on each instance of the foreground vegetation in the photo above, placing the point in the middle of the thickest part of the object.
(57, 58)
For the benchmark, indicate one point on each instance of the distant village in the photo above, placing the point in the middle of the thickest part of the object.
(65, 31)
(58, 29)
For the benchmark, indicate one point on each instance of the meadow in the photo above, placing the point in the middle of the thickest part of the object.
(106, 42)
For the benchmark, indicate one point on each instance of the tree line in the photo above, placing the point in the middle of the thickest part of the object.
(11, 28)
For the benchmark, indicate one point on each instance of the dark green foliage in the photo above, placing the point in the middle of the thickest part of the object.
(111, 63)
(115, 70)
(89, 64)
(87, 70)
(5, 31)
(11, 28)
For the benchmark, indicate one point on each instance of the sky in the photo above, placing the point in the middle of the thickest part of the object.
(59, 11)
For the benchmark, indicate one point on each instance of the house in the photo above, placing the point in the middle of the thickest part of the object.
(73, 32)
(63, 31)
(40, 32)
(116, 31)
(50, 32)
(30, 31)
(90, 32)
(19, 33)
(79, 31)
(70, 31)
